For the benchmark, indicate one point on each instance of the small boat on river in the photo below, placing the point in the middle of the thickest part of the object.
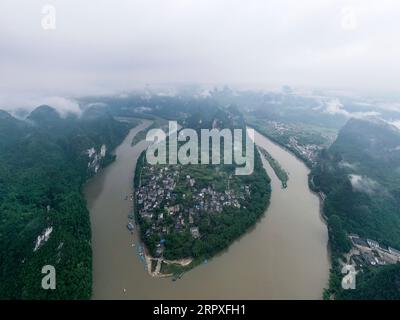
(130, 227)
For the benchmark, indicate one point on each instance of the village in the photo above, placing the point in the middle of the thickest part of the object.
(308, 151)
(171, 201)
(368, 252)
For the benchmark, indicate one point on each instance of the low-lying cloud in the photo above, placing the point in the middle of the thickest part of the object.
(101, 47)
(334, 107)
(64, 106)
(364, 184)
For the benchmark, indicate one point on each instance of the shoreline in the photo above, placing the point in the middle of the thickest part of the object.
(128, 268)
(157, 272)
(276, 142)
(184, 262)
(148, 259)
(321, 196)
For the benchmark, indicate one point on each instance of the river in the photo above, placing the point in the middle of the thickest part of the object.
(284, 256)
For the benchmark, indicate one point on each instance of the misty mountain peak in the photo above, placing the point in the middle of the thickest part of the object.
(4, 115)
(374, 139)
(44, 113)
(95, 113)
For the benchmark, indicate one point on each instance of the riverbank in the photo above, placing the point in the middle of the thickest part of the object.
(318, 193)
(182, 265)
(321, 196)
(279, 171)
(195, 211)
(294, 152)
(283, 256)
(159, 261)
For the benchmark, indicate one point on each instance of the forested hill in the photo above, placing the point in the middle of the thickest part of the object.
(360, 176)
(44, 161)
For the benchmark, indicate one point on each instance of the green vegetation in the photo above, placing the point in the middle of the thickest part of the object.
(196, 187)
(43, 166)
(171, 268)
(153, 265)
(368, 205)
(359, 176)
(376, 284)
(304, 133)
(217, 230)
(279, 171)
(303, 140)
(157, 124)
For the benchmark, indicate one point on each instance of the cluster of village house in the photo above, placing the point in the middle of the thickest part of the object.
(309, 151)
(370, 252)
(156, 191)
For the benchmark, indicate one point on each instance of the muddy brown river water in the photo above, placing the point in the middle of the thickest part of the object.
(284, 256)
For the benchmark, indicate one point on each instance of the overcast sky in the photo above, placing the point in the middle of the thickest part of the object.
(103, 46)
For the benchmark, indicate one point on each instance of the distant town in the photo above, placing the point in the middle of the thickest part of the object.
(308, 151)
